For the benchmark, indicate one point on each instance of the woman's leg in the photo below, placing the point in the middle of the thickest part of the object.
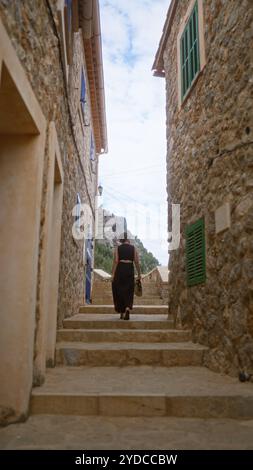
(127, 314)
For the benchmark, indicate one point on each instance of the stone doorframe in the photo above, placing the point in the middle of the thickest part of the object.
(50, 261)
(22, 149)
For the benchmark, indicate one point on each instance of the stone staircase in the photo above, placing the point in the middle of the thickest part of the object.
(138, 309)
(137, 368)
(102, 294)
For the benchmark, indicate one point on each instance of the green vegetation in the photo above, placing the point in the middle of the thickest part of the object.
(147, 259)
(104, 257)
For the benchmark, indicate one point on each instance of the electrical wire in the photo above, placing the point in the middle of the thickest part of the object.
(139, 174)
(132, 171)
(127, 197)
(125, 200)
(119, 195)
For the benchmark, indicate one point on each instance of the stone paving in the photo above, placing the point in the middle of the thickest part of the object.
(101, 433)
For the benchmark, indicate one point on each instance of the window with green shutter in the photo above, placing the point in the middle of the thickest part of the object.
(189, 52)
(196, 253)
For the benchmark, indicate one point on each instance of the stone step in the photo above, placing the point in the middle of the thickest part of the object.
(123, 335)
(191, 392)
(127, 354)
(111, 321)
(138, 301)
(149, 294)
(58, 432)
(139, 309)
(107, 286)
(146, 292)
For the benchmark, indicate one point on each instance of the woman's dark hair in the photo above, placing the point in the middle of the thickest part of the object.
(123, 237)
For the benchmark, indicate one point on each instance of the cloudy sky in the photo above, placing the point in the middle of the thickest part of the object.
(133, 173)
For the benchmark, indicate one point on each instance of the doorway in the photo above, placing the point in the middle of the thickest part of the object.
(22, 144)
(89, 268)
(50, 260)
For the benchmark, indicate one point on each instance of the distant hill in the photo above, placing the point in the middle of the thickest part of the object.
(104, 256)
(147, 259)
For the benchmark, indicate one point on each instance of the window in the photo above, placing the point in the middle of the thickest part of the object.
(83, 93)
(68, 27)
(68, 5)
(92, 148)
(78, 211)
(195, 253)
(84, 111)
(190, 52)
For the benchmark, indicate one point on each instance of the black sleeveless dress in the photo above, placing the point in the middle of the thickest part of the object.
(123, 284)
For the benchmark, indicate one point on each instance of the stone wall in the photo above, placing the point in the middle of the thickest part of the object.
(163, 289)
(210, 162)
(33, 27)
(158, 280)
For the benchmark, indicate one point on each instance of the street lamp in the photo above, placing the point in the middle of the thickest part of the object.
(100, 190)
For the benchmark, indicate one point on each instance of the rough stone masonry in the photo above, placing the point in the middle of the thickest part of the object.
(210, 162)
(31, 31)
(34, 29)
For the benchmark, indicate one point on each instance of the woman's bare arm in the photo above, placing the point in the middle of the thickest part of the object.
(115, 262)
(137, 263)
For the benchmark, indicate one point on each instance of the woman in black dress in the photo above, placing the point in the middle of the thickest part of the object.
(125, 256)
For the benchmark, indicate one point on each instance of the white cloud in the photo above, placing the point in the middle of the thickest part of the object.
(135, 105)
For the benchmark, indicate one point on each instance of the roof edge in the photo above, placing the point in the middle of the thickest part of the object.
(91, 30)
(98, 48)
(158, 65)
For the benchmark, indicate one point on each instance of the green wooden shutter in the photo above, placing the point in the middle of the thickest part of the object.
(196, 253)
(189, 51)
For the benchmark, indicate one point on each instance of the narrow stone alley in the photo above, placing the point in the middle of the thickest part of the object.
(167, 216)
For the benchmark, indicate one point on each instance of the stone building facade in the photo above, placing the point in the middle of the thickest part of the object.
(52, 131)
(206, 59)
